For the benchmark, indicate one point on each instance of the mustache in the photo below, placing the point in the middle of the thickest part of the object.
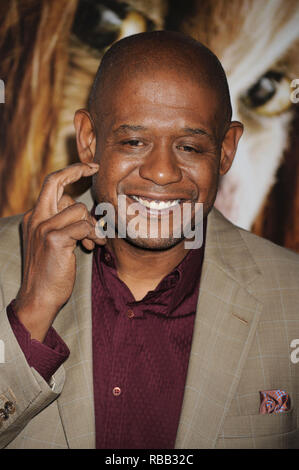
(154, 192)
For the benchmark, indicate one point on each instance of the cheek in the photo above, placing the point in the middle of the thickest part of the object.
(105, 181)
(206, 179)
(113, 170)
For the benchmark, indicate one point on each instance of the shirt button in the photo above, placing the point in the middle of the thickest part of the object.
(116, 391)
(107, 257)
(130, 313)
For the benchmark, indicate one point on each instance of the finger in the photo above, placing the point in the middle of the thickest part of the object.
(69, 215)
(69, 235)
(25, 224)
(26, 218)
(65, 201)
(88, 244)
(54, 184)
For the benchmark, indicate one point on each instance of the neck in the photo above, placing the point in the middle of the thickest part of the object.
(142, 270)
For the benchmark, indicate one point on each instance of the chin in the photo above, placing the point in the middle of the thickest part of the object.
(154, 244)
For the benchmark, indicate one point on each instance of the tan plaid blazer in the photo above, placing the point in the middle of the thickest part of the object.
(246, 318)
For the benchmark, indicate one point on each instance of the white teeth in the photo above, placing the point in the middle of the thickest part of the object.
(156, 205)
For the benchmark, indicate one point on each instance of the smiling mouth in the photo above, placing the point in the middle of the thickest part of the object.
(155, 204)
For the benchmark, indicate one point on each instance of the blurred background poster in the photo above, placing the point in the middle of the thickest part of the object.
(50, 51)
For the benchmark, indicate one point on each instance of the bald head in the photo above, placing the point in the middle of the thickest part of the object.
(145, 54)
(160, 130)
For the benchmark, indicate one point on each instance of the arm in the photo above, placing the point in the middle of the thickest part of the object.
(22, 385)
(50, 234)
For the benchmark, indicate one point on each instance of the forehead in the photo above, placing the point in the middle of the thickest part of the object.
(163, 97)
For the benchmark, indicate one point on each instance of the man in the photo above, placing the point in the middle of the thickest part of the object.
(140, 342)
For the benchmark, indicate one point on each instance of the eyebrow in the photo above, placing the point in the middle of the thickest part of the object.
(129, 127)
(188, 130)
(197, 131)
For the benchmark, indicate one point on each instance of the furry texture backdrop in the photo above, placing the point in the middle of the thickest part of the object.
(50, 50)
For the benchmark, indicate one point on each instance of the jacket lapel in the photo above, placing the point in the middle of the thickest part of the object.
(226, 320)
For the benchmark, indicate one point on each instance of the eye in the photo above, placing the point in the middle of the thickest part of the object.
(133, 143)
(100, 23)
(187, 148)
(270, 95)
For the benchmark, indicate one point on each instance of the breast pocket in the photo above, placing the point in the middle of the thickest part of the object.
(276, 430)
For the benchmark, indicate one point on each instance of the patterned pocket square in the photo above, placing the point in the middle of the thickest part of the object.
(274, 401)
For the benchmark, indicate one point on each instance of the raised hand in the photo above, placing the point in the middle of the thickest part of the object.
(51, 231)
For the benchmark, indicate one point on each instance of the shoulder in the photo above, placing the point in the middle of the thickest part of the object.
(247, 256)
(271, 258)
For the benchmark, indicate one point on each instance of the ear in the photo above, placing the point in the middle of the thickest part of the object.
(229, 146)
(85, 135)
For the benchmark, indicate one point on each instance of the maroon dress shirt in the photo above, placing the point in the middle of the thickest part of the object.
(140, 353)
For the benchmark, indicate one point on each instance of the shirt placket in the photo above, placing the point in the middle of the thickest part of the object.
(123, 350)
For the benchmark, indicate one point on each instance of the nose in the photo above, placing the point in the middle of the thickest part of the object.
(161, 167)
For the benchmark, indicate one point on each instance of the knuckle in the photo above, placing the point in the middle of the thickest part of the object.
(84, 226)
(82, 210)
(52, 239)
(51, 178)
(42, 229)
(65, 202)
